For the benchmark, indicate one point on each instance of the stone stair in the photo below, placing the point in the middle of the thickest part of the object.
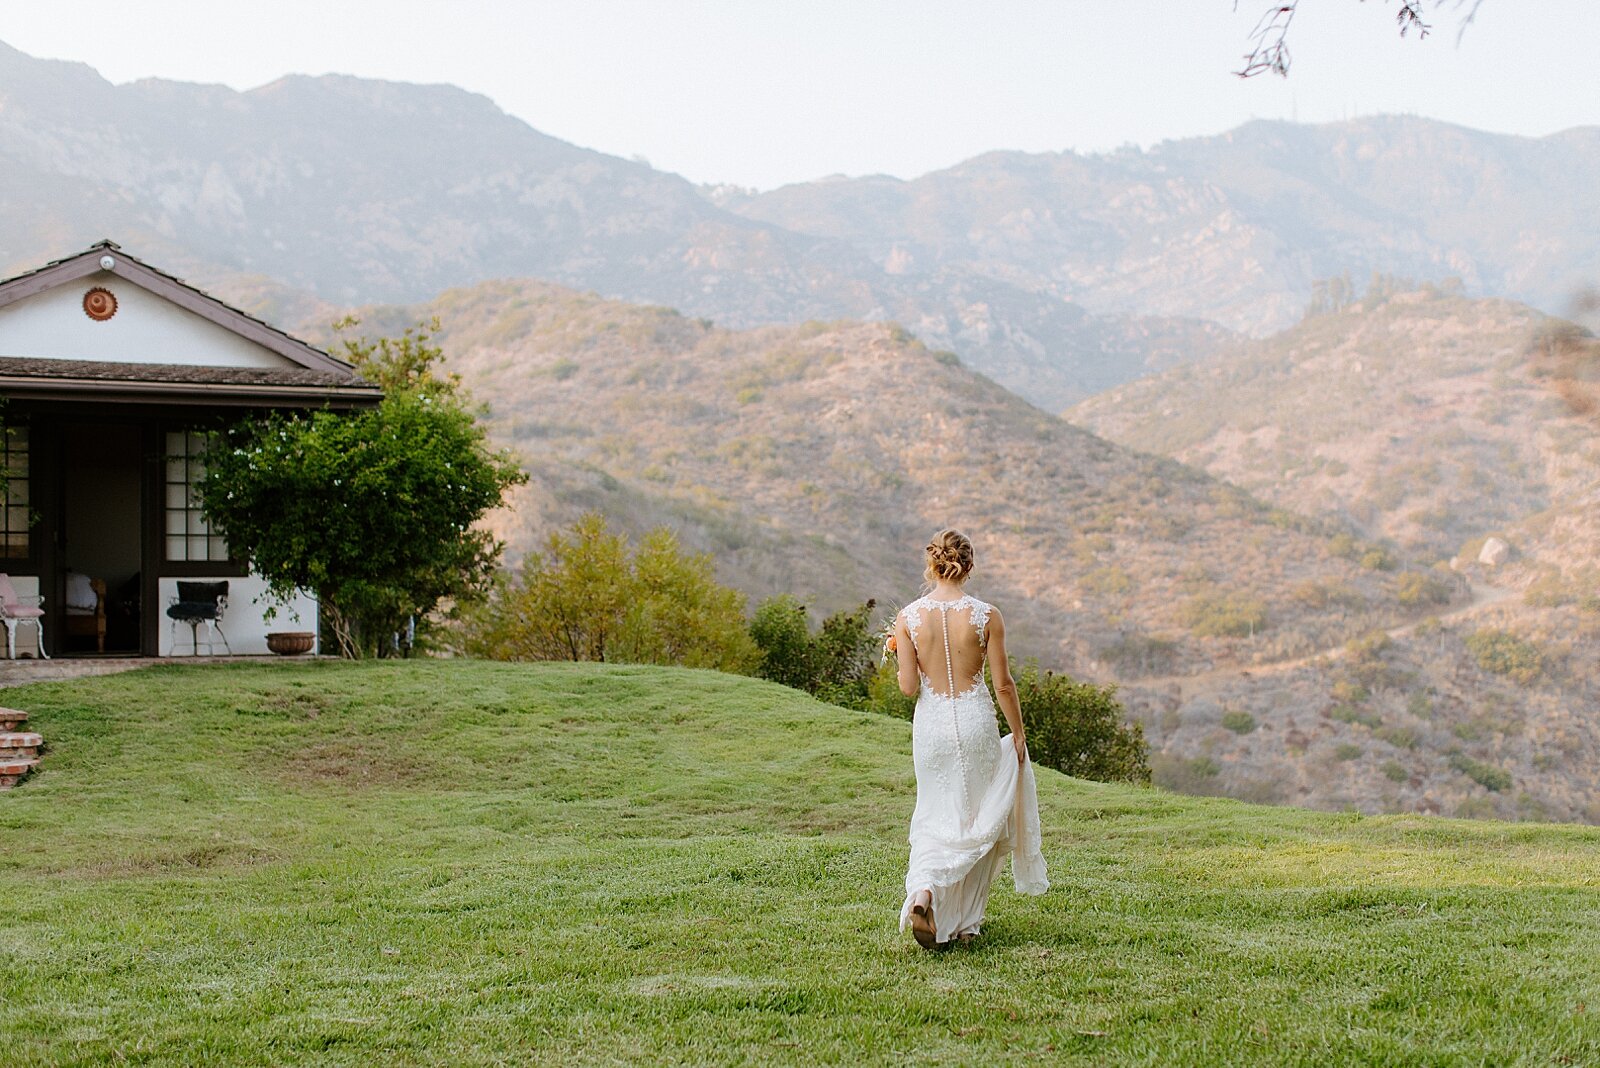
(19, 749)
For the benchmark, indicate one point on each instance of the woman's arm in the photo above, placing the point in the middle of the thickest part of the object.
(1005, 688)
(906, 656)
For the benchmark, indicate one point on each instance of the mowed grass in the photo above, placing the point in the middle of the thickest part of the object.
(465, 863)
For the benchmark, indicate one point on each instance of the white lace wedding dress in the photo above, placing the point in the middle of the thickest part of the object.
(974, 804)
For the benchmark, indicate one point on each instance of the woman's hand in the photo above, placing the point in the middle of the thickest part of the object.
(1019, 742)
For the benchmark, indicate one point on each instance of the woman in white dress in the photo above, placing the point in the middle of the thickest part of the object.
(976, 799)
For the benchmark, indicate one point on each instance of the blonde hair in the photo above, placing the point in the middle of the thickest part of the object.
(949, 557)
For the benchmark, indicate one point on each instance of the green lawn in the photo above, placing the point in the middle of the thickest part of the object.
(462, 863)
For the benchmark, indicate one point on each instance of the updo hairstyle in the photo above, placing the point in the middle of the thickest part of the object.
(949, 557)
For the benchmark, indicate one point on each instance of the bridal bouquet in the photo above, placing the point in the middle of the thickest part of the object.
(887, 639)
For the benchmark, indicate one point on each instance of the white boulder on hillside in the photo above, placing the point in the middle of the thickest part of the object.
(1494, 552)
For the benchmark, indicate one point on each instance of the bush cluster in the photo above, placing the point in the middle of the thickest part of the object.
(587, 597)
(1077, 728)
(1503, 653)
(1225, 615)
(838, 663)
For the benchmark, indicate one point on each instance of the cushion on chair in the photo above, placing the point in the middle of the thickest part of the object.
(193, 610)
(81, 597)
(21, 611)
(201, 591)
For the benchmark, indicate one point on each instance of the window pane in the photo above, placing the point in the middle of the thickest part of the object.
(197, 548)
(219, 548)
(177, 443)
(196, 524)
(177, 495)
(17, 491)
(177, 549)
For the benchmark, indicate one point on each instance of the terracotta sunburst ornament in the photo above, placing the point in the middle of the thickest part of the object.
(99, 304)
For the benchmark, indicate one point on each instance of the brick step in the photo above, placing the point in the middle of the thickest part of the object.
(13, 771)
(12, 719)
(19, 746)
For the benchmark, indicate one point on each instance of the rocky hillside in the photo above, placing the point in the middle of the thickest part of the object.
(818, 459)
(1236, 228)
(1422, 417)
(1464, 431)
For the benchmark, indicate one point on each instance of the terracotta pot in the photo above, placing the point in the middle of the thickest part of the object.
(291, 642)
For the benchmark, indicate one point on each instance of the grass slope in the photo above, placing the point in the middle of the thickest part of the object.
(450, 862)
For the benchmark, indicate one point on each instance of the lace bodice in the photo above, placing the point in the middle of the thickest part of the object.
(952, 636)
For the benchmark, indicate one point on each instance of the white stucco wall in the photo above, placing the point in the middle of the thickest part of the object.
(244, 621)
(146, 329)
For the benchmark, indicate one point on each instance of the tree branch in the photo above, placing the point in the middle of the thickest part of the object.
(1269, 52)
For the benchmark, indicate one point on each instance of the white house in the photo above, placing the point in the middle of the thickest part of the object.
(110, 370)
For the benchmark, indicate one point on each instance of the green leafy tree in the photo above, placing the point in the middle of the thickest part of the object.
(586, 597)
(678, 614)
(374, 512)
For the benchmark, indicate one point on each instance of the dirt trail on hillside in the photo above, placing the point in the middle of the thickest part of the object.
(1480, 597)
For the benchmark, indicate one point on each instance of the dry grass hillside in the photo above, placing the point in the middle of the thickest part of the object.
(817, 459)
(1428, 419)
(1440, 423)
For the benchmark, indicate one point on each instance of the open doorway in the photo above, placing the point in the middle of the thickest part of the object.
(100, 538)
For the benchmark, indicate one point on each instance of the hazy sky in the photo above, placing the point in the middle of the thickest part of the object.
(763, 92)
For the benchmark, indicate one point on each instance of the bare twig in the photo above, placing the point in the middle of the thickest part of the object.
(1269, 52)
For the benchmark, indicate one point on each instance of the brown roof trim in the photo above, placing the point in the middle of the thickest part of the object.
(34, 388)
(174, 289)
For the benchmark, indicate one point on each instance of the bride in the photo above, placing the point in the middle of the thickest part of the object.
(975, 790)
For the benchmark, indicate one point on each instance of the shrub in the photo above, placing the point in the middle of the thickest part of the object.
(883, 693)
(1395, 771)
(1230, 615)
(1368, 648)
(1194, 775)
(838, 664)
(1549, 591)
(1139, 654)
(1346, 751)
(1343, 545)
(1503, 653)
(781, 632)
(1239, 722)
(1414, 588)
(1077, 728)
(1377, 560)
(1485, 775)
(1399, 737)
(1352, 714)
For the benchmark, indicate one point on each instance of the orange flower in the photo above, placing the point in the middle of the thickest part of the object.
(889, 645)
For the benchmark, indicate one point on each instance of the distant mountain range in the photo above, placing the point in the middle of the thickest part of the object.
(1058, 275)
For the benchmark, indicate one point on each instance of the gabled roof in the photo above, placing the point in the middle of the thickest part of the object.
(132, 269)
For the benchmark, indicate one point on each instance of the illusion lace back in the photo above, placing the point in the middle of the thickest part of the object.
(974, 804)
